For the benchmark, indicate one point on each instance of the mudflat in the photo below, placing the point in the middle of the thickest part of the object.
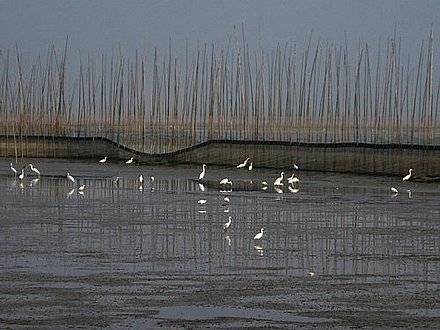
(338, 251)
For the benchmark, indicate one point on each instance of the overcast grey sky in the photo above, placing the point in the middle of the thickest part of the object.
(98, 25)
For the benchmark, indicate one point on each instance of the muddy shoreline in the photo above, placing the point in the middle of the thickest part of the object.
(150, 301)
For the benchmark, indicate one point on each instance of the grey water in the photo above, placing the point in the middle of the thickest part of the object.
(327, 225)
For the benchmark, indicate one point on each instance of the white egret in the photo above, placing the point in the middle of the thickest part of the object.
(14, 170)
(34, 169)
(250, 166)
(141, 179)
(225, 181)
(201, 187)
(81, 187)
(264, 183)
(226, 210)
(70, 178)
(293, 179)
(129, 161)
(21, 176)
(394, 190)
(202, 201)
(202, 174)
(264, 188)
(408, 176)
(278, 189)
(152, 179)
(243, 164)
(279, 181)
(227, 238)
(311, 274)
(259, 235)
(226, 199)
(227, 224)
(409, 193)
(295, 167)
(103, 160)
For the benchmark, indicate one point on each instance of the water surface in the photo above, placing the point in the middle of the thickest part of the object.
(136, 252)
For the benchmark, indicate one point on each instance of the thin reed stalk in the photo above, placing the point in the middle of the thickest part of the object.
(326, 93)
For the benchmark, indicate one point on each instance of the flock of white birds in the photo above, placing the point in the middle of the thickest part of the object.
(279, 182)
(227, 183)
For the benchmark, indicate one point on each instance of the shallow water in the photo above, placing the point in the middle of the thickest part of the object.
(162, 241)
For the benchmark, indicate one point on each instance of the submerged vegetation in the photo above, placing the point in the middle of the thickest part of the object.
(323, 94)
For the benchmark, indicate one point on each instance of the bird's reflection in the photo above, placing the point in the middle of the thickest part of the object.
(259, 249)
(278, 190)
(70, 193)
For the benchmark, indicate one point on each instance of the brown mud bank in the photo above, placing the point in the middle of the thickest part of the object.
(356, 158)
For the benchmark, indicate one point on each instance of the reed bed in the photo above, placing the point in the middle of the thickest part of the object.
(155, 104)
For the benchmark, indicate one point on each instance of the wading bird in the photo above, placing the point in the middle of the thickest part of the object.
(279, 181)
(408, 176)
(21, 176)
(202, 174)
(292, 179)
(34, 169)
(103, 160)
(70, 178)
(81, 187)
(259, 235)
(225, 181)
(14, 170)
(250, 166)
(394, 190)
(129, 161)
(243, 164)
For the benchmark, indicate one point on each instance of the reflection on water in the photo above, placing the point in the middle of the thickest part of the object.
(328, 225)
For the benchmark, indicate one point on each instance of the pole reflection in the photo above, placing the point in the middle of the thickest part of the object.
(349, 231)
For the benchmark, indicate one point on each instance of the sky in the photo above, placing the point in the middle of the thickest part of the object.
(97, 26)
